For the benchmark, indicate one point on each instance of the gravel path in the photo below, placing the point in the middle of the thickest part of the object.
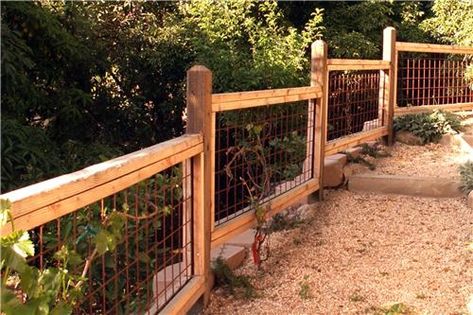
(430, 160)
(362, 252)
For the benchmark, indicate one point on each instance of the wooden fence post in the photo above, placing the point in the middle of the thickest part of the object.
(319, 77)
(200, 119)
(389, 80)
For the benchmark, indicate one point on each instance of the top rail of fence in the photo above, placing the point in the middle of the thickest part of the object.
(240, 100)
(45, 201)
(433, 48)
(357, 64)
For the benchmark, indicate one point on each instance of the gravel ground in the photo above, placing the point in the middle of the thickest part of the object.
(362, 252)
(430, 160)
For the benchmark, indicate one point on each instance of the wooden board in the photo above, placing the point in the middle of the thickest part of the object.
(356, 64)
(344, 143)
(201, 119)
(398, 111)
(229, 229)
(433, 48)
(199, 216)
(47, 213)
(388, 77)
(239, 100)
(36, 196)
(319, 77)
(186, 297)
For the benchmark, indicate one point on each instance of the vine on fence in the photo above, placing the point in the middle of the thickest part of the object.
(54, 290)
(262, 170)
(258, 186)
(59, 287)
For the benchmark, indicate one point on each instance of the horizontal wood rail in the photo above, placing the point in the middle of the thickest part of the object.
(357, 64)
(247, 220)
(398, 111)
(239, 100)
(433, 48)
(187, 297)
(43, 202)
(344, 143)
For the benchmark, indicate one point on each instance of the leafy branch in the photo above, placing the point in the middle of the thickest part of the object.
(257, 186)
(53, 290)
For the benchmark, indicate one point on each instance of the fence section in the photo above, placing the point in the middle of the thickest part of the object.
(264, 152)
(354, 102)
(357, 94)
(359, 101)
(132, 219)
(433, 77)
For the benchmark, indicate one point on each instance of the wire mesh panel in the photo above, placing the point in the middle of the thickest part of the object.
(354, 102)
(261, 153)
(138, 243)
(433, 79)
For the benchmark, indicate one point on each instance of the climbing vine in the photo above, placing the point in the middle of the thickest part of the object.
(99, 244)
(54, 290)
(258, 186)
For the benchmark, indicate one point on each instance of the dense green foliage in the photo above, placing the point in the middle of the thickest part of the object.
(86, 81)
(353, 29)
(429, 127)
(452, 22)
(466, 176)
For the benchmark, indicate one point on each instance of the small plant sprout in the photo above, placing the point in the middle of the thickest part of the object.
(304, 290)
(466, 175)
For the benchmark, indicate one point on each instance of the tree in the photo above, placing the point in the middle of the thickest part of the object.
(452, 22)
(354, 29)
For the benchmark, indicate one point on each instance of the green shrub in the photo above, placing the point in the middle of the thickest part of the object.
(281, 222)
(239, 286)
(466, 173)
(429, 127)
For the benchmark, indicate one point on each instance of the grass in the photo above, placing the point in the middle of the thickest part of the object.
(305, 291)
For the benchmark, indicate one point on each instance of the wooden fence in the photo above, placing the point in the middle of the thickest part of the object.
(186, 195)
(432, 77)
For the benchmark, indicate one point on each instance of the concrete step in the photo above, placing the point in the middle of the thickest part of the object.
(234, 256)
(405, 185)
(244, 239)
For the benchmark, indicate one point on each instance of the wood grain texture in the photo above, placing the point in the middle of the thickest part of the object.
(201, 119)
(389, 55)
(240, 100)
(344, 143)
(398, 111)
(37, 196)
(433, 48)
(356, 64)
(186, 297)
(319, 77)
(65, 205)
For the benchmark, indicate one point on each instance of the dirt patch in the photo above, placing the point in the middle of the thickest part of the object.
(361, 252)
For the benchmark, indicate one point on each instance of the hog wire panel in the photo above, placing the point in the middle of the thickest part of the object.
(433, 79)
(354, 102)
(152, 259)
(265, 150)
